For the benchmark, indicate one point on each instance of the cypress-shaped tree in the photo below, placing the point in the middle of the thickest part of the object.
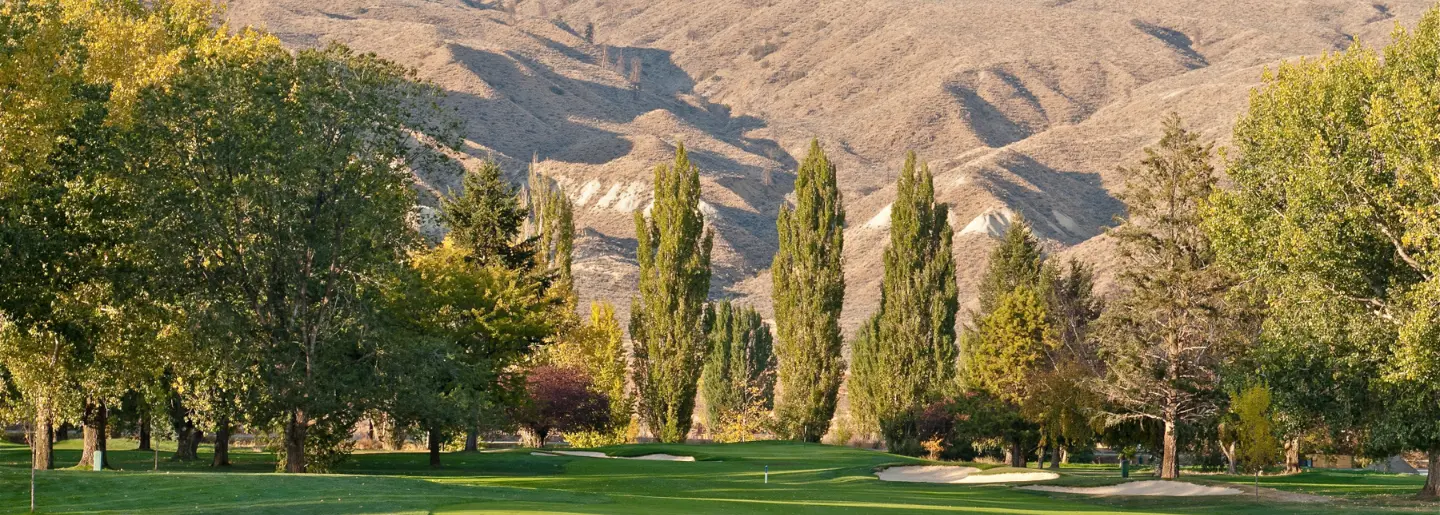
(913, 349)
(551, 227)
(486, 217)
(666, 320)
(809, 292)
(740, 368)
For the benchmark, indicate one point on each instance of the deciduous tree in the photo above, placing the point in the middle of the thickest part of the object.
(739, 371)
(907, 353)
(666, 320)
(809, 291)
(1333, 212)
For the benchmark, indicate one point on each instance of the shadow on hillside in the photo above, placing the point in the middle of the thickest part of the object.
(1078, 195)
(536, 110)
(984, 118)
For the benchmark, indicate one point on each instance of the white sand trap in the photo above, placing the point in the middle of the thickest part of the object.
(593, 454)
(660, 457)
(1009, 477)
(1146, 488)
(957, 475)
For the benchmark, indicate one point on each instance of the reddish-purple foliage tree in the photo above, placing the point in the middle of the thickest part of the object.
(560, 399)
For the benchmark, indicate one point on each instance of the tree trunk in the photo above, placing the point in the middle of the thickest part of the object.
(1229, 451)
(435, 441)
(145, 433)
(1015, 455)
(1170, 461)
(1055, 457)
(183, 433)
(295, 442)
(94, 421)
(42, 441)
(222, 444)
(1292, 456)
(1432, 481)
(196, 437)
(472, 439)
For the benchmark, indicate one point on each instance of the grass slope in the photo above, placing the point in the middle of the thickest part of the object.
(727, 479)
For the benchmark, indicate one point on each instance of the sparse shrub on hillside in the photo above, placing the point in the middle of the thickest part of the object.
(760, 50)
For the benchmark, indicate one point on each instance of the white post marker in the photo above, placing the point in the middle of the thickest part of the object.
(767, 474)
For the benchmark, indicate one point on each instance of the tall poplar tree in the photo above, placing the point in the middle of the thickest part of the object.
(909, 354)
(666, 320)
(550, 225)
(809, 291)
(740, 368)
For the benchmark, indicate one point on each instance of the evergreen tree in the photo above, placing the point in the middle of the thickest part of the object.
(1025, 348)
(486, 218)
(666, 321)
(913, 352)
(1165, 334)
(809, 291)
(1018, 261)
(1072, 307)
(740, 368)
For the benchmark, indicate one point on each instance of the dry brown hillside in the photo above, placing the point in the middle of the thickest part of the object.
(1022, 107)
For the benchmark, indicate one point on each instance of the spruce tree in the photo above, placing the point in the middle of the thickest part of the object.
(740, 368)
(913, 351)
(809, 292)
(666, 319)
(1026, 345)
(486, 217)
(1016, 262)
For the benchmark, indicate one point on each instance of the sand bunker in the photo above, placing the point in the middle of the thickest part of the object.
(1149, 488)
(593, 454)
(957, 475)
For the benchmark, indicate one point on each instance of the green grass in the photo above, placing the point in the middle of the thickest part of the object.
(804, 479)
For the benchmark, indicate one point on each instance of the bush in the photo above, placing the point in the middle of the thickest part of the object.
(760, 50)
(591, 439)
(560, 399)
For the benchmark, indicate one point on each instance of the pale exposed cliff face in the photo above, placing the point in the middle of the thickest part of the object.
(1021, 107)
